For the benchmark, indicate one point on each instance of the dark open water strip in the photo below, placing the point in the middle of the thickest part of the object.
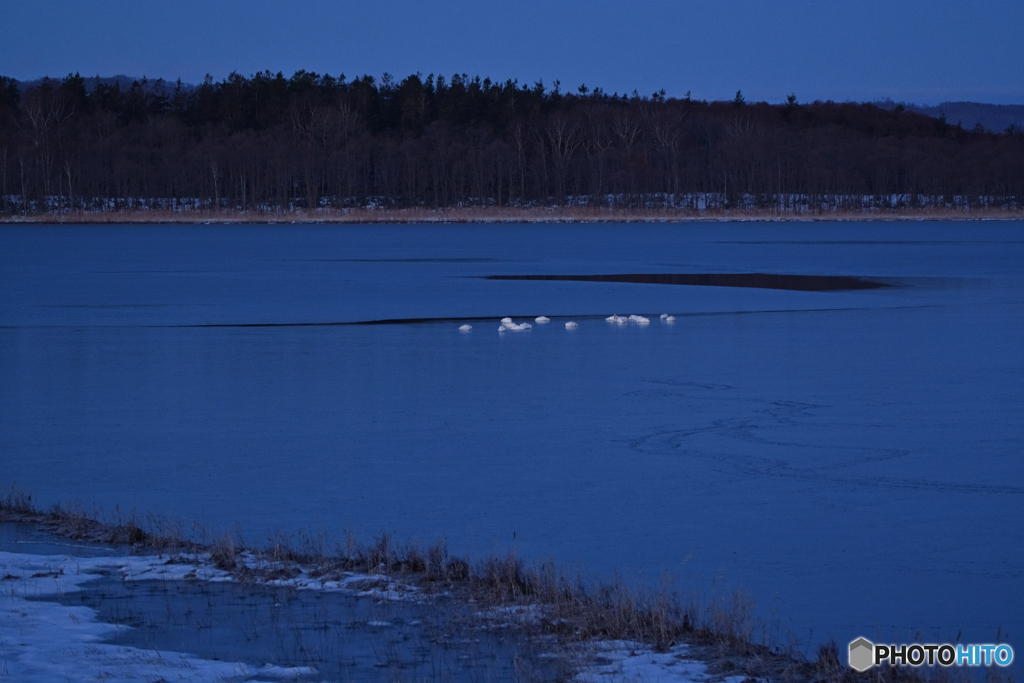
(491, 318)
(469, 319)
(802, 283)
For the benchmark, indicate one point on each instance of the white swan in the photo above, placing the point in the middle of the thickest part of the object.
(612, 318)
(639, 320)
(571, 325)
(670, 319)
(507, 324)
(664, 315)
(543, 319)
(465, 328)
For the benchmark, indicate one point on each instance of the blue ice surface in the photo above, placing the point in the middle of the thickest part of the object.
(850, 460)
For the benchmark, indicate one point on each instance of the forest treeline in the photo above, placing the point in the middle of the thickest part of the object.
(268, 142)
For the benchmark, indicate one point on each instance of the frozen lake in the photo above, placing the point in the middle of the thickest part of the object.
(851, 459)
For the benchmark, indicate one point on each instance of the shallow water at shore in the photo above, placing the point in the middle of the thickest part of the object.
(852, 459)
(343, 638)
(92, 615)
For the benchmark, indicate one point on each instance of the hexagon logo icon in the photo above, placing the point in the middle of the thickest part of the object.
(862, 654)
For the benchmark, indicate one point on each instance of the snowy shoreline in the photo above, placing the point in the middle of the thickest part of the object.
(596, 633)
(45, 641)
(42, 640)
(158, 214)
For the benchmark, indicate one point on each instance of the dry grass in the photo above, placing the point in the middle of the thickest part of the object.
(572, 610)
(73, 522)
(555, 214)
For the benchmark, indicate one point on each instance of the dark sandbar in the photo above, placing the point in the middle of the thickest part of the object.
(802, 283)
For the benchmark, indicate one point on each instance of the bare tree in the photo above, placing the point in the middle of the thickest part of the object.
(564, 135)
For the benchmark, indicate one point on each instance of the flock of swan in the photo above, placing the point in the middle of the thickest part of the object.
(509, 325)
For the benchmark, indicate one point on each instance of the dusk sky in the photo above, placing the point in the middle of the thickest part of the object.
(923, 51)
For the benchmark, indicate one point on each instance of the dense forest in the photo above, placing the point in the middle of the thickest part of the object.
(271, 143)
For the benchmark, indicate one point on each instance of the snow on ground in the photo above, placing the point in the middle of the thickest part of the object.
(44, 641)
(379, 586)
(512, 615)
(626, 662)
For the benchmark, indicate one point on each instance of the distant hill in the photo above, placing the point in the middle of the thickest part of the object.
(995, 118)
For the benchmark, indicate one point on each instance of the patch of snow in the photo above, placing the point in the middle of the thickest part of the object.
(627, 662)
(43, 641)
(511, 615)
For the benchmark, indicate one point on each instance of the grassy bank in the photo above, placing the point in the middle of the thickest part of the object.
(508, 215)
(539, 599)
